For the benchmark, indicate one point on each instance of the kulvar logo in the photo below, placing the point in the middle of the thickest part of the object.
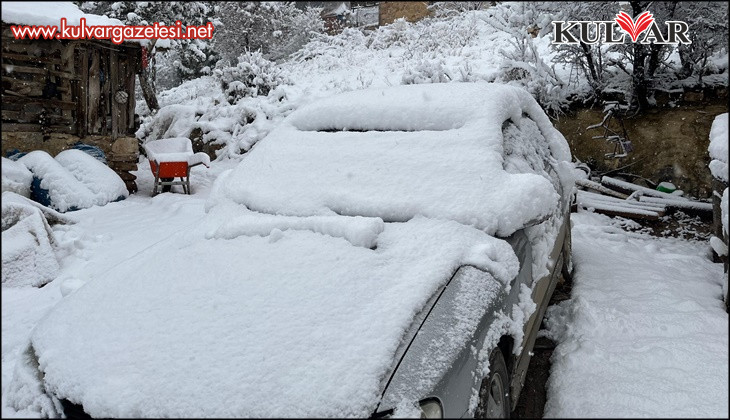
(607, 32)
(634, 28)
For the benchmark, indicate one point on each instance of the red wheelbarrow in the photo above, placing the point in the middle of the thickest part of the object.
(173, 158)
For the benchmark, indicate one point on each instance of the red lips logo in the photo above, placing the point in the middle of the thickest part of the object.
(634, 29)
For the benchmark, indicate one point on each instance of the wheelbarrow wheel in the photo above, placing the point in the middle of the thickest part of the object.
(167, 188)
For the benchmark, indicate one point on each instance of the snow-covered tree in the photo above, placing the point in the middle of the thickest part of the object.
(708, 31)
(645, 67)
(277, 29)
(523, 64)
(588, 59)
(186, 58)
(253, 75)
(646, 60)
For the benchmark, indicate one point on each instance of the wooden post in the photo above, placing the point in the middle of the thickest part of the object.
(94, 93)
(83, 95)
(129, 86)
(112, 85)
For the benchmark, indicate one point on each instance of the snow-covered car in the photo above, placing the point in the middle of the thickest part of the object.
(386, 252)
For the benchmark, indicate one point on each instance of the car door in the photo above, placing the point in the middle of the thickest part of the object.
(527, 151)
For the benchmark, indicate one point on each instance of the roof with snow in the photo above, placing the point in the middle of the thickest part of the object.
(335, 8)
(50, 13)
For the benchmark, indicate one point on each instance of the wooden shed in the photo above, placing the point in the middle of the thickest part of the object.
(57, 93)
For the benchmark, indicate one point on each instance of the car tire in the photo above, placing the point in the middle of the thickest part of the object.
(567, 269)
(494, 400)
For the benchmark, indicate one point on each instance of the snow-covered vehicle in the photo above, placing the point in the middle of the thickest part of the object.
(382, 252)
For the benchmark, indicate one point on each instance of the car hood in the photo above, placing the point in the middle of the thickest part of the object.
(290, 323)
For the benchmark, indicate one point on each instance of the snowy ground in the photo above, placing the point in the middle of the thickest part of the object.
(645, 333)
(105, 238)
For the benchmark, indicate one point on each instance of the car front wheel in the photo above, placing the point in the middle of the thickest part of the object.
(567, 269)
(494, 391)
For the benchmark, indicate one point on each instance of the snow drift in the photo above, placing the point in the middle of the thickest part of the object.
(73, 180)
(16, 177)
(28, 254)
(718, 148)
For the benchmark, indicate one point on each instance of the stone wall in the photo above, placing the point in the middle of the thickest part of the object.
(670, 144)
(412, 11)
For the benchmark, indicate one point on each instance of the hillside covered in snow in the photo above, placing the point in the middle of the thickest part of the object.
(235, 105)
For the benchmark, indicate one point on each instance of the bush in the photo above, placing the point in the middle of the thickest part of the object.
(426, 71)
(252, 76)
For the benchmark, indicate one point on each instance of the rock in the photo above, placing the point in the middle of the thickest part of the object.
(125, 146)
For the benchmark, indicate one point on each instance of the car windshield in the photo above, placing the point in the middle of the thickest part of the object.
(433, 150)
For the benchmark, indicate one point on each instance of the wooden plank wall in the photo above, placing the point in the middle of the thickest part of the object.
(67, 87)
(37, 86)
(93, 126)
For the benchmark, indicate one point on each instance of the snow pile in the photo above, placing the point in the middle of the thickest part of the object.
(73, 180)
(645, 333)
(307, 310)
(50, 13)
(16, 177)
(28, 256)
(16, 201)
(436, 151)
(359, 231)
(101, 180)
(65, 192)
(718, 148)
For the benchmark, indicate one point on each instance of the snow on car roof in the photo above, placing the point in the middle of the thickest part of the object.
(433, 150)
(294, 324)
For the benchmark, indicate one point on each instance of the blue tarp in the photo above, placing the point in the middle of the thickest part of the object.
(91, 150)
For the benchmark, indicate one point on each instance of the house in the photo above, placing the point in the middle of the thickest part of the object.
(366, 14)
(57, 93)
(412, 11)
(334, 13)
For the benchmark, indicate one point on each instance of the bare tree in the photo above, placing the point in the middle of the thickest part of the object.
(708, 31)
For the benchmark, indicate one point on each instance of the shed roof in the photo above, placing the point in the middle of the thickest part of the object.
(50, 13)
